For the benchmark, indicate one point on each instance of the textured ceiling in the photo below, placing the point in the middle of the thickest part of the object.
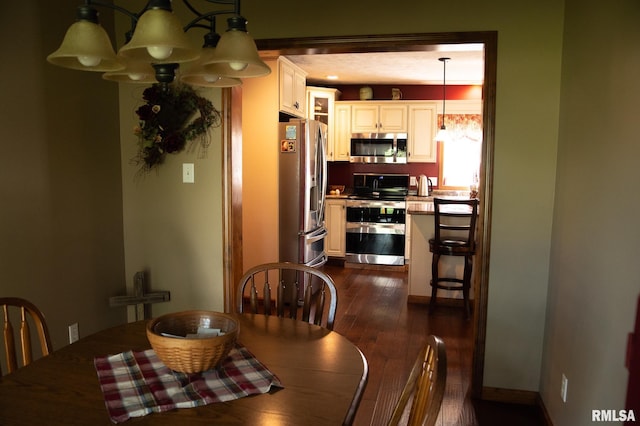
(465, 67)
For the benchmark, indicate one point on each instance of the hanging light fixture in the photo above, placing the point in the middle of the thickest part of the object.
(443, 134)
(159, 37)
(133, 72)
(86, 45)
(236, 53)
(157, 40)
(199, 75)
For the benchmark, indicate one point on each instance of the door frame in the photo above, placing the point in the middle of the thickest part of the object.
(232, 154)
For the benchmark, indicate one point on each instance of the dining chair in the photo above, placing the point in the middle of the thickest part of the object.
(27, 310)
(426, 384)
(300, 290)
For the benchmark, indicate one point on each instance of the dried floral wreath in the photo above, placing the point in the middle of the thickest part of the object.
(164, 123)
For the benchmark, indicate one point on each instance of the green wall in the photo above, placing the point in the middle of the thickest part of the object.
(61, 243)
(593, 281)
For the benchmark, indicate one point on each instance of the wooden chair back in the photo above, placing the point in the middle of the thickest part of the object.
(289, 289)
(426, 384)
(26, 309)
(455, 226)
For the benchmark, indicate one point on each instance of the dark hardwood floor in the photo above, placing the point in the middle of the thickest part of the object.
(374, 314)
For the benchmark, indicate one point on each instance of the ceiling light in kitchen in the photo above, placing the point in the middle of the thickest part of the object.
(443, 134)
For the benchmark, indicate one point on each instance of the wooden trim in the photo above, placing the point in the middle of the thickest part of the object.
(486, 205)
(543, 409)
(272, 48)
(511, 396)
(545, 413)
(232, 193)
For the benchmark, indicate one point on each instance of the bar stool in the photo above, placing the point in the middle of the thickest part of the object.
(455, 226)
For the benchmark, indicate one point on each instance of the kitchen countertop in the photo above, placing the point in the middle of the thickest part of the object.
(424, 207)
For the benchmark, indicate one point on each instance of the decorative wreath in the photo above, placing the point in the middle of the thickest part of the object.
(164, 123)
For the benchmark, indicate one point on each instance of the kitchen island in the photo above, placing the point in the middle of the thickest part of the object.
(420, 219)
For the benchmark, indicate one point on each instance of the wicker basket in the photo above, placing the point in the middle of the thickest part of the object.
(192, 355)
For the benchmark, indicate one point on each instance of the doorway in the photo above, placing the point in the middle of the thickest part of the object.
(360, 44)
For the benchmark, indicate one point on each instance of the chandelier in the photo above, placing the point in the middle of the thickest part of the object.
(157, 46)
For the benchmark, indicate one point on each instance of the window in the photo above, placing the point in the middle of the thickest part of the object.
(459, 158)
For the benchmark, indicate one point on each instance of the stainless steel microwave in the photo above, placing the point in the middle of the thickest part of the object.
(378, 148)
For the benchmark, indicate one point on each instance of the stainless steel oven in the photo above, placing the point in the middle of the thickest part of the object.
(375, 231)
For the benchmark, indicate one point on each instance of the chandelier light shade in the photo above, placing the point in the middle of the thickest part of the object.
(159, 38)
(196, 74)
(86, 46)
(236, 54)
(443, 133)
(136, 72)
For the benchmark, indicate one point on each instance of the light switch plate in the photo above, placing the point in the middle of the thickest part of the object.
(73, 333)
(188, 173)
(413, 181)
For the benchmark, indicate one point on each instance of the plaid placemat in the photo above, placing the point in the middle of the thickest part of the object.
(135, 384)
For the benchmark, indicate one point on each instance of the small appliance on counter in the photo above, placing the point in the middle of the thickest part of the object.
(425, 186)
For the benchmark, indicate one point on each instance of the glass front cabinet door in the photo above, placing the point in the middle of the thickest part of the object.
(320, 106)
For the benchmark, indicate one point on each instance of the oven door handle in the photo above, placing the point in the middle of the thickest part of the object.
(375, 228)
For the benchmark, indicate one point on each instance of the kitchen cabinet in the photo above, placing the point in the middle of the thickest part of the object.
(341, 133)
(336, 220)
(421, 144)
(422, 229)
(367, 117)
(293, 88)
(321, 107)
(407, 230)
(416, 118)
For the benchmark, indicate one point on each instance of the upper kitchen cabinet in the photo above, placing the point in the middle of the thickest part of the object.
(368, 117)
(421, 144)
(321, 107)
(341, 132)
(293, 88)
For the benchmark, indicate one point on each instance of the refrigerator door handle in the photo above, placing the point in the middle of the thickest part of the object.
(321, 260)
(316, 235)
(323, 159)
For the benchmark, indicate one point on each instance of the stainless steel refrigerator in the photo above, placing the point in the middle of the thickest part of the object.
(302, 188)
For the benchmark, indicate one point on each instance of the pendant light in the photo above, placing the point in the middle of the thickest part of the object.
(196, 74)
(159, 38)
(237, 52)
(137, 72)
(443, 134)
(86, 45)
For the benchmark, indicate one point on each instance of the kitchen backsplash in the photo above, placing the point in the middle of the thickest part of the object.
(341, 173)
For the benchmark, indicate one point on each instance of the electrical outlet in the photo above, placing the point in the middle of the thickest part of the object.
(188, 173)
(413, 181)
(434, 181)
(563, 388)
(73, 333)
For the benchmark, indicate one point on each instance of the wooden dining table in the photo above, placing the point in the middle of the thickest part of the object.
(323, 376)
